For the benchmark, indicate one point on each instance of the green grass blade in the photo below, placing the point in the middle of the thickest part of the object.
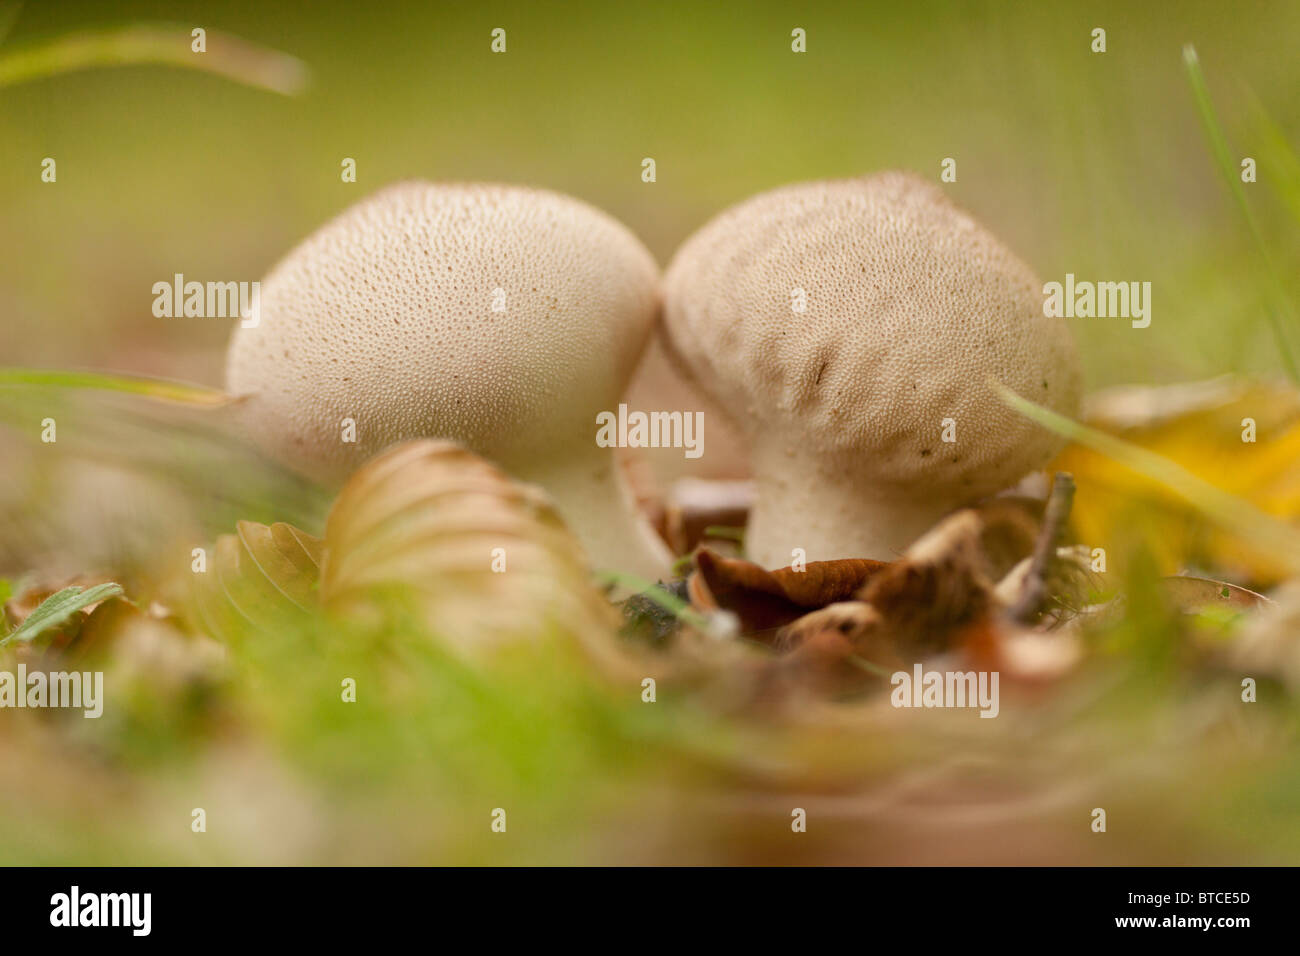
(1234, 514)
(1282, 314)
(167, 45)
(161, 389)
(6, 592)
(1277, 156)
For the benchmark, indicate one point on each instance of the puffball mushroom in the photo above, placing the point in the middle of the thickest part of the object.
(502, 317)
(852, 327)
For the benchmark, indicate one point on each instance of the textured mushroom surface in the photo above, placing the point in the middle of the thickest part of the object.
(502, 317)
(385, 316)
(909, 307)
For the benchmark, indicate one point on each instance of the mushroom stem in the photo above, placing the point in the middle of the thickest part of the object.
(597, 504)
(830, 512)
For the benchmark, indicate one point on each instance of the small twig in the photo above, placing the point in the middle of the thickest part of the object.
(1054, 517)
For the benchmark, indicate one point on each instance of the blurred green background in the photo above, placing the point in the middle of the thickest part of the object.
(1090, 163)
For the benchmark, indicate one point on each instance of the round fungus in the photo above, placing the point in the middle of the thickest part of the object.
(503, 317)
(852, 327)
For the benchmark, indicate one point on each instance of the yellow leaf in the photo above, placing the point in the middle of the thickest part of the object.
(1204, 427)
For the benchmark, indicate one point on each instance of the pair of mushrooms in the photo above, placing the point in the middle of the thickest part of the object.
(850, 328)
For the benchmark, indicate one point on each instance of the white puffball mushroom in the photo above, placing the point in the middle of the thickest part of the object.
(502, 317)
(909, 307)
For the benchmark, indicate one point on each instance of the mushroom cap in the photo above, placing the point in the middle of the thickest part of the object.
(911, 306)
(385, 316)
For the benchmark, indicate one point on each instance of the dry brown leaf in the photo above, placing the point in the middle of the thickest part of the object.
(851, 620)
(828, 646)
(826, 658)
(941, 585)
(1192, 594)
(260, 577)
(842, 624)
(486, 560)
(764, 600)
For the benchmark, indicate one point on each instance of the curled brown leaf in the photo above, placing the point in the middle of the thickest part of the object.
(766, 600)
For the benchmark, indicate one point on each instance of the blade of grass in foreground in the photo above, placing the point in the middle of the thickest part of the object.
(1235, 514)
(169, 45)
(1281, 309)
(1278, 156)
(181, 392)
